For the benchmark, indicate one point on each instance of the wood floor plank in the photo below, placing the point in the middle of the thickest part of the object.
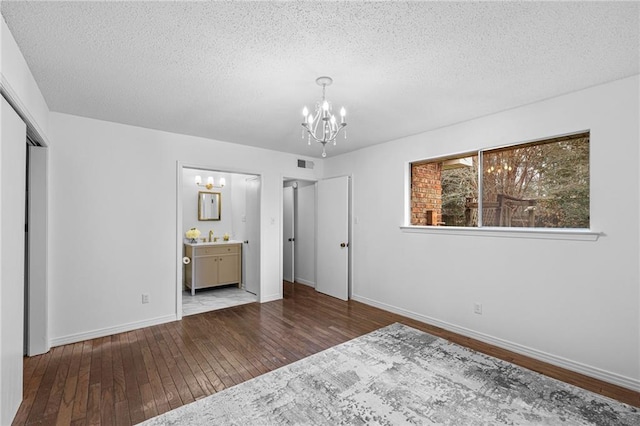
(31, 386)
(121, 409)
(127, 378)
(132, 388)
(44, 387)
(170, 354)
(185, 363)
(107, 407)
(82, 388)
(93, 403)
(167, 386)
(65, 409)
(119, 381)
(151, 366)
(148, 402)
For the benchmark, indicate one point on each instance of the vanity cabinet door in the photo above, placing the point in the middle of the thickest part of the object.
(206, 271)
(228, 269)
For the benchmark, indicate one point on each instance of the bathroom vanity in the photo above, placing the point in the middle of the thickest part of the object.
(212, 264)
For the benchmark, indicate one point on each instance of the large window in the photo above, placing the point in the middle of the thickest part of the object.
(544, 184)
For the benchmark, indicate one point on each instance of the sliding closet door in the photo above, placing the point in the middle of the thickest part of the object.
(37, 337)
(13, 153)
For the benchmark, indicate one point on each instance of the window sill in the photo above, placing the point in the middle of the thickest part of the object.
(537, 233)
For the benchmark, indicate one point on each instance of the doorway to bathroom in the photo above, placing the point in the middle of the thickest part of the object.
(230, 220)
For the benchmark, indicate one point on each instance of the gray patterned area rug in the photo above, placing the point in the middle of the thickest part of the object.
(398, 375)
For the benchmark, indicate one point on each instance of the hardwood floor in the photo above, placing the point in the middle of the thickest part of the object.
(129, 377)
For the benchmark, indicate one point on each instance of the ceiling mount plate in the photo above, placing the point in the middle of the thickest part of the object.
(324, 81)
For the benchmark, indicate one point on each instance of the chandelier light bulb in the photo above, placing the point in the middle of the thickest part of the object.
(305, 112)
(198, 180)
(325, 106)
(333, 119)
(223, 181)
(310, 119)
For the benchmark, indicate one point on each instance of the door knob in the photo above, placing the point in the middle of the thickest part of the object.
(343, 245)
(292, 239)
(246, 241)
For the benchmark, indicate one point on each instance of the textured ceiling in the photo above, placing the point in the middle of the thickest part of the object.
(241, 71)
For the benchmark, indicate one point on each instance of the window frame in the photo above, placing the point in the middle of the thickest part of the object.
(576, 234)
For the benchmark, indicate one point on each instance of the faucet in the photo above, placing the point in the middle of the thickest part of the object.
(211, 235)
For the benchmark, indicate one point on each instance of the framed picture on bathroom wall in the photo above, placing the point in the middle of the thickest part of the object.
(209, 205)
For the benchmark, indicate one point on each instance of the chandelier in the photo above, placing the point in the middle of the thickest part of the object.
(327, 131)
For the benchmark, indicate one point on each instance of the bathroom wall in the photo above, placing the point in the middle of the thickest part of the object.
(190, 203)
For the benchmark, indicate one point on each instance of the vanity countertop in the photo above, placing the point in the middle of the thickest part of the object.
(220, 242)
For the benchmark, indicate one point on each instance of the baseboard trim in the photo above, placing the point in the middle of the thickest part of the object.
(108, 331)
(577, 367)
(271, 298)
(305, 282)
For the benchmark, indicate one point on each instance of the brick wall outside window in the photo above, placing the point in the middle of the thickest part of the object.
(426, 194)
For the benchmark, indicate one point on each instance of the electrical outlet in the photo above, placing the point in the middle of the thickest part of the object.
(145, 298)
(477, 308)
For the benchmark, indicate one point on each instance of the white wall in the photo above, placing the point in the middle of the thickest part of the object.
(106, 248)
(572, 302)
(305, 247)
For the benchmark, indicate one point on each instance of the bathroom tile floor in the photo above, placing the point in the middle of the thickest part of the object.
(211, 299)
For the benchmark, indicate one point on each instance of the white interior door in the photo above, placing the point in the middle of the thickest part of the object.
(288, 237)
(13, 173)
(251, 246)
(37, 336)
(333, 237)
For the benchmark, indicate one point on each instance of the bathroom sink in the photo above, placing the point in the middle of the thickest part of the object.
(214, 243)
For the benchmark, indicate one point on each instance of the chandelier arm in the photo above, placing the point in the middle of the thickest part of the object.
(316, 121)
(310, 133)
(334, 126)
(342, 126)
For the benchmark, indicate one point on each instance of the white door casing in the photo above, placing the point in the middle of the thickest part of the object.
(13, 153)
(333, 237)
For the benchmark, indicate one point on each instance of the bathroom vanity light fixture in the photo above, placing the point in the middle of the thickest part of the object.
(330, 128)
(210, 184)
